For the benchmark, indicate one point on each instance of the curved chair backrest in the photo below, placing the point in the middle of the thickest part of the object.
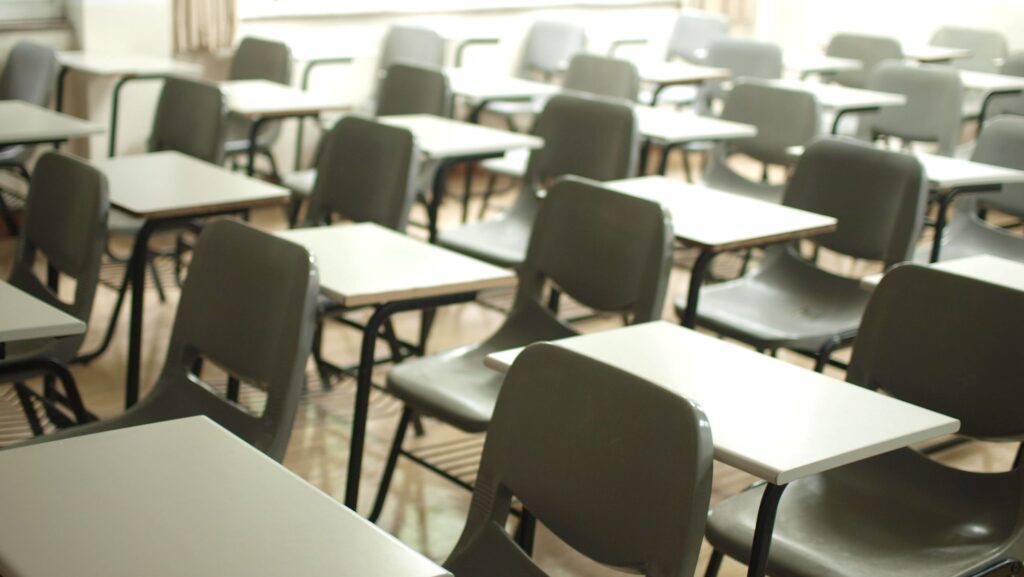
(583, 434)
(603, 76)
(549, 46)
(870, 50)
(987, 46)
(877, 196)
(366, 172)
(260, 59)
(65, 223)
(693, 33)
(746, 58)
(191, 118)
(409, 89)
(1001, 143)
(933, 110)
(1012, 66)
(29, 74)
(609, 251)
(947, 343)
(784, 117)
(411, 45)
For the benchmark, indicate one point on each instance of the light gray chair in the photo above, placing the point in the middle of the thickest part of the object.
(1007, 104)
(581, 445)
(223, 318)
(940, 341)
(1001, 144)
(988, 47)
(692, 35)
(784, 117)
(609, 251)
(878, 198)
(747, 59)
(932, 112)
(28, 76)
(870, 50)
(413, 46)
(592, 138)
(258, 59)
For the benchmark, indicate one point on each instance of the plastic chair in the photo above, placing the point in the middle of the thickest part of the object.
(1001, 144)
(592, 138)
(583, 434)
(1013, 66)
(988, 47)
(870, 50)
(932, 113)
(223, 319)
(692, 35)
(784, 117)
(412, 46)
(940, 341)
(747, 59)
(258, 59)
(878, 198)
(608, 251)
(191, 118)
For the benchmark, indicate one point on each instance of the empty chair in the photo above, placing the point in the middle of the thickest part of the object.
(1002, 144)
(413, 46)
(946, 343)
(932, 112)
(582, 432)
(692, 35)
(258, 59)
(592, 138)
(747, 59)
(604, 249)
(988, 47)
(223, 320)
(870, 50)
(1008, 104)
(878, 199)
(784, 117)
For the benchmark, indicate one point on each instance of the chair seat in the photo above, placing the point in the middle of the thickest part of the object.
(301, 182)
(725, 179)
(513, 164)
(502, 241)
(898, 514)
(15, 155)
(674, 95)
(786, 303)
(237, 137)
(974, 237)
(121, 223)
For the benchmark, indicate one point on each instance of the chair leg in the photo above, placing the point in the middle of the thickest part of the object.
(321, 366)
(714, 563)
(687, 168)
(554, 300)
(825, 353)
(8, 217)
(389, 466)
(30, 412)
(526, 531)
(273, 165)
(426, 323)
(156, 279)
(491, 181)
(467, 191)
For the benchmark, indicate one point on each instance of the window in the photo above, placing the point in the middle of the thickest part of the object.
(22, 10)
(272, 8)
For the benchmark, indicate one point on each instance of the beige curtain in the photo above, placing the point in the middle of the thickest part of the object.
(741, 13)
(203, 25)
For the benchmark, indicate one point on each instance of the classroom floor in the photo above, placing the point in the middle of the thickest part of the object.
(423, 510)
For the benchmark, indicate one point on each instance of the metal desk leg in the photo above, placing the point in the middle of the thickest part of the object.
(306, 73)
(254, 131)
(436, 197)
(841, 113)
(700, 269)
(763, 530)
(115, 101)
(945, 202)
(988, 102)
(137, 274)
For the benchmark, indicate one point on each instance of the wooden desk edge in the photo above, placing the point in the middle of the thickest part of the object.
(762, 240)
(205, 209)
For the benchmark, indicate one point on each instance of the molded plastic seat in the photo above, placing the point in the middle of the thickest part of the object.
(257, 59)
(988, 47)
(784, 117)
(878, 199)
(583, 434)
(870, 50)
(901, 513)
(1013, 66)
(747, 59)
(691, 36)
(223, 317)
(413, 46)
(592, 138)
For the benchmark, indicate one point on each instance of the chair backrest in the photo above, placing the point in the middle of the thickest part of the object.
(65, 223)
(1001, 143)
(870, 50)
(409, 89)
(693, 33)
(366, 172)
(191, 118)
(784, 117)
(411, 45)
(254, 318)
(603, 76)
(549, 46)
(947, 343)
(933, 110)
(986, 46)
(29, 74)
(260, 59)
(581, 445)
(609, 251)
(877, 196)
(1012, 66)
(746, 58)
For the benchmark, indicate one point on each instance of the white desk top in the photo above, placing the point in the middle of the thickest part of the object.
(769, 418)
(721, 221)
(929, 53)
(23, 316)
(991, 269)
(365, 263)
(817, 63)
(182, 497)
(25, 123)
(440, 137)
(987, 82)
(944, 172)
(265, 99)
(837, 97)
(476, 86)
(124, 64)
(166, 184)
(678, 72)
(671, 126)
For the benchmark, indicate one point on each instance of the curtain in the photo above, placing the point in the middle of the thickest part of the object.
(203, 25)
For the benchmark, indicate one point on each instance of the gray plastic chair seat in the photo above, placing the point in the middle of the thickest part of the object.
(513, 164)
(785, 303)
(870, 50)
(502, 241)
(968, 235)
(722, 177)
(237, 137)
(856, 522)
(120, 222)
(300, 182)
